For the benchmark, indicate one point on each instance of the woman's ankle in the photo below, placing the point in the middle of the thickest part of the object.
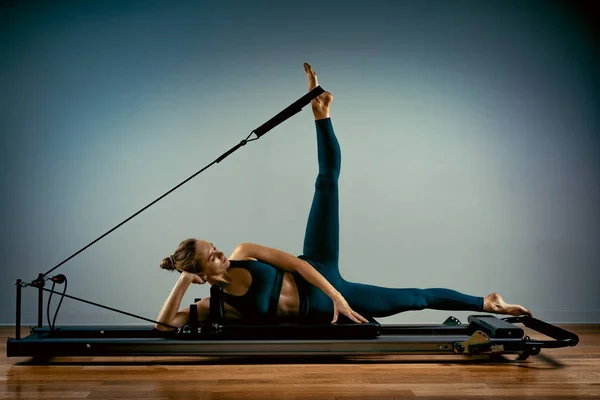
(320, 105)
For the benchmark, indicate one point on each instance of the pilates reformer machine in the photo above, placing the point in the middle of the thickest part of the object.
(217, 336)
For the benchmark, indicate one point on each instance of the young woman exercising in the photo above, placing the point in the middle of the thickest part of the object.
(262, 283)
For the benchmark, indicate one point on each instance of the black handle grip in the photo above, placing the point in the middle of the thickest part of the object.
(293, 109)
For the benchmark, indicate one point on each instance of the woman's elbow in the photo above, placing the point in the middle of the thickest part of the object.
(169, 326)
(178, 321)
(162, 327)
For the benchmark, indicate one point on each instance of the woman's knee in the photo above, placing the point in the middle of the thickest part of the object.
(327, 180)
(420, 300)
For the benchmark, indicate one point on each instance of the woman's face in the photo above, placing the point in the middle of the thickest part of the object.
(211, 259)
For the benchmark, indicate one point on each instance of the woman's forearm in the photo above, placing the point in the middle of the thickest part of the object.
(171, 306)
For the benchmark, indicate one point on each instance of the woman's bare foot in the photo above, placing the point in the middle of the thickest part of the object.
(494, 303)
(320, 105)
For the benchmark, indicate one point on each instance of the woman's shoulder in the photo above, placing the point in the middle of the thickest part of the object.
(240, 254)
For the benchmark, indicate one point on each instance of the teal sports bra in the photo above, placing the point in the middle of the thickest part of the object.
(262, 298)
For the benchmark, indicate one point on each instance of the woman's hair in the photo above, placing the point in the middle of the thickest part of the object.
(184, 258)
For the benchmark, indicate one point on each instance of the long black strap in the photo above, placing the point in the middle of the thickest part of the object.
(293, 109)
(288, 112)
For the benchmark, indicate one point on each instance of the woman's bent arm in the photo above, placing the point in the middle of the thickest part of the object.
(288, 262)
(169, 309)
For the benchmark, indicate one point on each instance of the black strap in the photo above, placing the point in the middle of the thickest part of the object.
(267, 126)
(293, 109)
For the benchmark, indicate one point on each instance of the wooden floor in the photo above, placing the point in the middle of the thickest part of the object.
(569, 373)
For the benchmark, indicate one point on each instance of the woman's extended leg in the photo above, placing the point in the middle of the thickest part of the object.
(321, 240)
(375, 301)
(378, 301)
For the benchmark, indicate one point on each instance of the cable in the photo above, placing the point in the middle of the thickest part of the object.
(152, 203)
(59, 304)
(48, 307)
(58, 279)
(128, 219)
(107, 308)
(288, 112)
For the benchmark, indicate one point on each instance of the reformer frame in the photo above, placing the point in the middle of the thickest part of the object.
(483, 335)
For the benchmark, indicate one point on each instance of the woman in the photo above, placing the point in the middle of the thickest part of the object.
(262, 283)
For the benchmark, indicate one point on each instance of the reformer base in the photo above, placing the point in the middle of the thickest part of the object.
(484, 334)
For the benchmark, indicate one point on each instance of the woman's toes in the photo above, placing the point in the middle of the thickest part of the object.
(524, 311)
(514, 309)
(308, 69)
(311, 76)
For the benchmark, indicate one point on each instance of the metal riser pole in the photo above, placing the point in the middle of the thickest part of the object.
(18, 317)
(40, 302)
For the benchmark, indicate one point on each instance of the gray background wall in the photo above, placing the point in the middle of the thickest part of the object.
(469, 133)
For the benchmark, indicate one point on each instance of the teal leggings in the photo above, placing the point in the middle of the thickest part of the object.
(321, 250)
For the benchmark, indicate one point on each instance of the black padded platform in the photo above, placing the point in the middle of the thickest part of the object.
(495, 327)
(319, 330)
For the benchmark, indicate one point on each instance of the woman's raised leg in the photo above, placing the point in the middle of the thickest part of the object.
(321, 240)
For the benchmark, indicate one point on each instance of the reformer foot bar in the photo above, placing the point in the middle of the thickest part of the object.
(483, 335)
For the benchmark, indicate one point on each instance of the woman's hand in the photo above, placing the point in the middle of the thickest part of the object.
(340, 305)
(193, 278)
